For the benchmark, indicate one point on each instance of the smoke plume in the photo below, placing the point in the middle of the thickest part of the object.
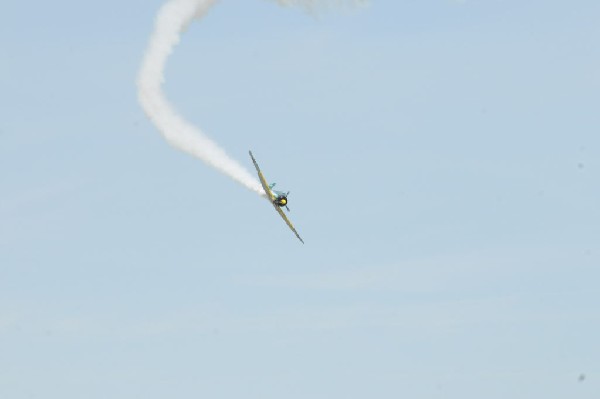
(172, 19)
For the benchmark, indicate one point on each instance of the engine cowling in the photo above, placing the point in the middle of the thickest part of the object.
(281, 201)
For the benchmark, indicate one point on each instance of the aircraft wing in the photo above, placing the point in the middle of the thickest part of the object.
(287, 221)
(263, 181)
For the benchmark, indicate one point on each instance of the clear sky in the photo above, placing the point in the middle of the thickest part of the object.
(443, 159)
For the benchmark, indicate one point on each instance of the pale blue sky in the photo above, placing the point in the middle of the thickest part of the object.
(443, 159)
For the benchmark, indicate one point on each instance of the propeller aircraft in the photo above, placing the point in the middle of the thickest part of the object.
(277, 198)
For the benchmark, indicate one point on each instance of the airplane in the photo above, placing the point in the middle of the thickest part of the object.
(277, 198)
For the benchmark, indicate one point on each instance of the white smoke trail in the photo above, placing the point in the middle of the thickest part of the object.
(313, 4)
(171, 20)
